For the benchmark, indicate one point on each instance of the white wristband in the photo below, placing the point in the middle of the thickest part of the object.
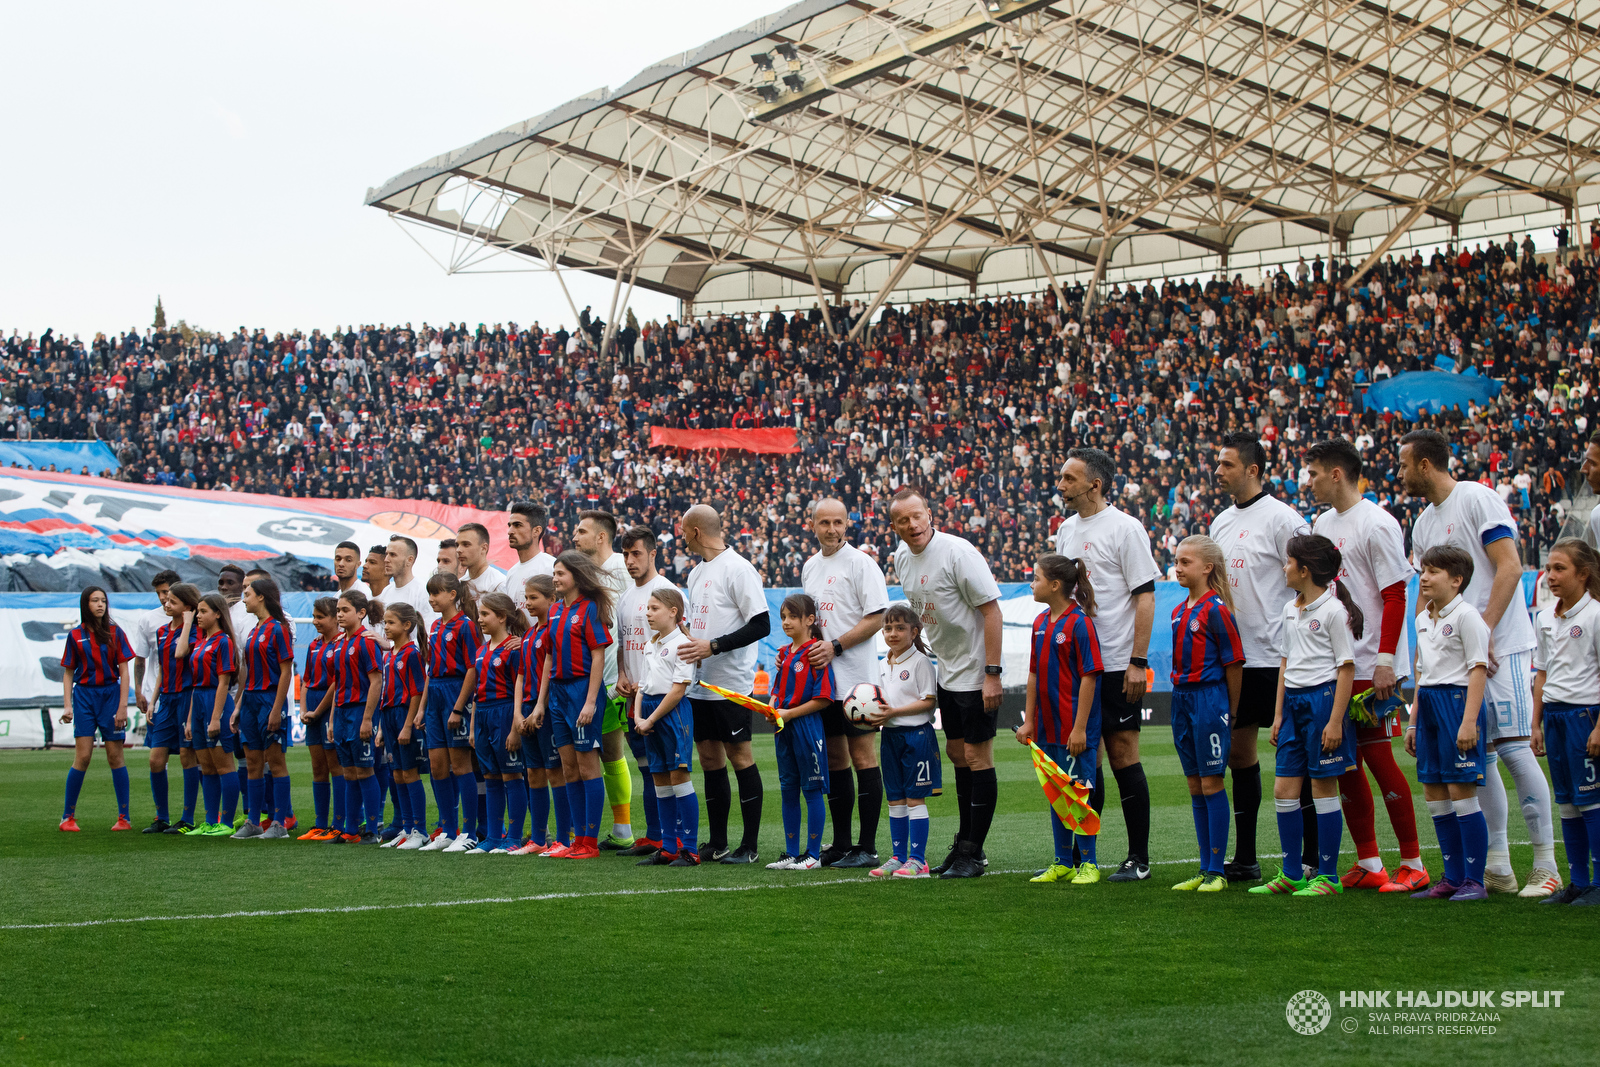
(1386, 659)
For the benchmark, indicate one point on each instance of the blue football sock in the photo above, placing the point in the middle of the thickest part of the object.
(320, 792)
(466, 803)
(191, 792)
(791, 822)
(1448, 829)
(419, 807)
(688, 815)
(339, 794)
(1474, 844)
(230, 796)
(253, 790)
(281, 807)
(539, 814)
(74, 787)
(664, 810)
(211, 787)
(1202, 828)
(816, 819)
(269, 792)
(372, 801)
(444, 799)
(516, 808)
(594, 790)
(1058, 833)
(1330, 832)
(652, 816)
(402, 807)
(1591, 822)
(158, 793)
(1086, 845)
(495, 792)
(900, 834)
(353, 805)
(562, 797)
(1291, 835)
(241, 776)
(1220, 816)
(917, 848)
(1576, 837)
(121, 785)
(485, 832)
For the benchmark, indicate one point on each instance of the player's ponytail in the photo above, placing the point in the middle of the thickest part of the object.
(1323, 559)
(1584, 559)
(801, 606)
(902, 614)
(1073, 574)
(267, 590)
(219, 607)
(1210, 554)
(461, 591)
(507, 609)
(371, 610)
(670, 599)
(411, 619)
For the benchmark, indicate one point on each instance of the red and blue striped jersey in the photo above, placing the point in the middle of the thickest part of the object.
(174, 668)
(403, 677)
(358, 656)
(1205, 639)
(535, 650)
(92, 663)
(210, 658)
(795, 681)
(498, 666)
(1061, 654)
(574, 632)
(320, 655)
(268, 645)
(452, 647)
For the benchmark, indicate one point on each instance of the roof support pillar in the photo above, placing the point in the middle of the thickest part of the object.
(816, 283)
(1061, 299)
(1388, 242)
(888, 287)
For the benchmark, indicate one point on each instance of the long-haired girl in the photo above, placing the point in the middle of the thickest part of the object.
(263, 698)
(404, 682)
(909, 750)
(572, 694)
(453, 643)
(539, 748)
(799, 691)
(1311, 724)
(213, 662)
(165, 730)
(1207, 673)
(352, 700)
(94, 697)
(662, 715)
(1062, 706)
(496, 739)
(314, 683)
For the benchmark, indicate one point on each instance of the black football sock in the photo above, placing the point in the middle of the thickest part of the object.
(1308, 822)
(1097, 801)
(869, 785)
(1246, 811)
(841, 805)
(751, 792)
(985, 791)
(719, 799)
(963, 800)
(1135, 790)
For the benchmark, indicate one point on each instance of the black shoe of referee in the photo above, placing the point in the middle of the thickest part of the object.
(833, 854)
(950, 857)
(742, 854)
(1234, 871)
(857, 857)
(966, 863)
(1132, 869)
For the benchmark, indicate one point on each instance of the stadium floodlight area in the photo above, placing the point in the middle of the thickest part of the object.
(839, 149)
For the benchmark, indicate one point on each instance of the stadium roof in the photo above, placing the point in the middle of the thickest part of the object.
(937, 146)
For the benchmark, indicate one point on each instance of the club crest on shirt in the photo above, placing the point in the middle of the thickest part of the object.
(905, 675)
(1243, 534)
(1194, 625)
(1061, 638)
(450, 635)
(1576, 631)
(1447, 630)
(1316, 624)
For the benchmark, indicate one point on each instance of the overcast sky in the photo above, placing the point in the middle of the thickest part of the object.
(218, 154)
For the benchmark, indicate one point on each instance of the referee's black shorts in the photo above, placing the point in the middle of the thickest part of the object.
(720, 720)
(964, 716)
(1117, 715)
(1258, 698)
(835, 723)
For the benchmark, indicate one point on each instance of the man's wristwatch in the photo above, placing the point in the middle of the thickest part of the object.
(1139, 661)
(992, 669)
(713, 643)
(838, 649)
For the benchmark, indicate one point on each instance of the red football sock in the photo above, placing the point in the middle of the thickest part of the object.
(1355, 796)
(1396, 794)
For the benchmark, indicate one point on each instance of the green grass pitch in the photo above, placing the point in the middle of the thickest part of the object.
(508, 960)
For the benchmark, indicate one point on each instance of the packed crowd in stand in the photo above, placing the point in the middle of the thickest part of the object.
(977, 398)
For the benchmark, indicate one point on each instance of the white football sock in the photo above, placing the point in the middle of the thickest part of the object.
(1492, 797)
(1533, 791)
(1375, 864)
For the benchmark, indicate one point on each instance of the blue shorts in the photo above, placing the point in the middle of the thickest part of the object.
(566, 704)
(803, 754)
(1084, 767)
(1305, 715)
(317, 732)
(205, 702)
(912, 768)
(1566, 742)
(669, 746)
(255, 709)
(493, 726)
(94, 707)
(165, 728)
(539, 748)
(1201, 729)
(442, 696)
(352, 750)
(410, 755)
(1438, 713)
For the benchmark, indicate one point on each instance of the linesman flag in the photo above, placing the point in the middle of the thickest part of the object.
(747, 702)
(1068, 796)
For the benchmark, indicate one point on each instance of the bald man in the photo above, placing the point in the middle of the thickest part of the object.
(851, 597)
(728, 616)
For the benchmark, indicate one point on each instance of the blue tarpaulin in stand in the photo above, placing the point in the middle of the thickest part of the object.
(68, 456)
(1419, 391)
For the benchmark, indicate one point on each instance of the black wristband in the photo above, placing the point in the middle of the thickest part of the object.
(1139, 661)
(838, 649)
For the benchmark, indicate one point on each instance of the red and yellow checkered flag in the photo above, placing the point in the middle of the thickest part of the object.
(747, 702)
(1068, 796)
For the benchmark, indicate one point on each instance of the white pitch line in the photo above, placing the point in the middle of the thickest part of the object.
(358, 908)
